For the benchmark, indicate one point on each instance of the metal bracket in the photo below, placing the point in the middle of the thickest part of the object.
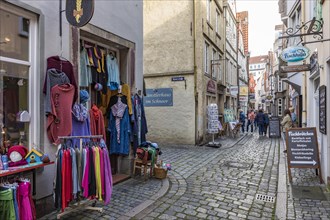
(313, 27)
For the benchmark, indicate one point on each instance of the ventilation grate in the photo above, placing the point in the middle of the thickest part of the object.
(265, 198)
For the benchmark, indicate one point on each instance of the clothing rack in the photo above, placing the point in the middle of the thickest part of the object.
(85, 204)
(79, 137)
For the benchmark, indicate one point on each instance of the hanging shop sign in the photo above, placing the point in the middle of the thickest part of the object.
(79, 12)
(210, 87)
(294, 54)
(295, 68)
(158, 97)
(323, 109)
(302, 149)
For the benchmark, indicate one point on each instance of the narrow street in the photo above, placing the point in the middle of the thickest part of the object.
(212, 183)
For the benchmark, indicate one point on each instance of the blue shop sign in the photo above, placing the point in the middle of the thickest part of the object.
(159, 97)
(294, 54)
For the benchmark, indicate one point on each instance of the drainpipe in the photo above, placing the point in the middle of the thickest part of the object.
(304, 90)
(195, 73)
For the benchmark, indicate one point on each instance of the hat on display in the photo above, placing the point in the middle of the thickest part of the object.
(17, 153)
(84, 96)
(98, 87)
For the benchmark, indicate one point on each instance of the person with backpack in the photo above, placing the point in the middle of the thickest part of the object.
(266, 123)
(260, 121)
(242, 118)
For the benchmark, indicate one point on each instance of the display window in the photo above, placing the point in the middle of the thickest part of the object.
(17, 76)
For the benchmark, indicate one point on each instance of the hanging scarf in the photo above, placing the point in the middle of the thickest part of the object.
(79, 112)
(118, 111)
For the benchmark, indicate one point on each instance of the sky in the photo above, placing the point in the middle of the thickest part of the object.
(263, 16)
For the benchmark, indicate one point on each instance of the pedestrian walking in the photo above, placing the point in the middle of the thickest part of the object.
(266, 124)
(286, 123)
(251, 117)
(242, 119)
(255, 121)
(260, 121)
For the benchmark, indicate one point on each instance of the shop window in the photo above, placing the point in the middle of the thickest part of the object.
(17, 76)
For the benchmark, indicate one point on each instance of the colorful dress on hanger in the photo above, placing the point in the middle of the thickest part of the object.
(85, 78)
(97, 122)
(140, 128)
(59, 121)
(113, 73)
(119, 128)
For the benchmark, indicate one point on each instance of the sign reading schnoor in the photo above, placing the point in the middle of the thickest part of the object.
(302, 149)
(158, 97)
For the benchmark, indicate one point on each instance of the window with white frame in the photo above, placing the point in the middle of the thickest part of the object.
(208, 10)
(217, 19)
(206, 58)
(18, 78)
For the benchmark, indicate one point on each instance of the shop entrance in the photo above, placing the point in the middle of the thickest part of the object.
(106, 71)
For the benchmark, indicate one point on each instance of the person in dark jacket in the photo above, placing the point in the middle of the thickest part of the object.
(266, 123)
(242, 118)
(260, 121)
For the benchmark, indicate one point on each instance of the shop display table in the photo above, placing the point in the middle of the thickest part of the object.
(25, 169)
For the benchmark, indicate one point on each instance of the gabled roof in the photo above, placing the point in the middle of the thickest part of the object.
(33, 151)
(258, 59)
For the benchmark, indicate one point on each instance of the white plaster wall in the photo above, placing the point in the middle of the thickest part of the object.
(323, 55)
(123, 18)
(168, 40)
(172, 124)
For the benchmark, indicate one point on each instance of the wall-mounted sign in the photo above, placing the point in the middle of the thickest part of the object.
(234, 90)
(323, 109)
(210, 87)
(294, 54)
(243, 98)
(79, 12)
(303, 151)
(158, 97)
(295, 68)
(178, 78)
(243, 90)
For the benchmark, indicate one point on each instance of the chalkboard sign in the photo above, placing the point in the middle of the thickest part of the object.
(302, 149)
(274, 127)
(323, 109)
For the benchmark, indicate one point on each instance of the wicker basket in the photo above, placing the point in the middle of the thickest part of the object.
(160, 173)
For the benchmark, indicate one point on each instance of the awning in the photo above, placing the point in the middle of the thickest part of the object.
(295, 86)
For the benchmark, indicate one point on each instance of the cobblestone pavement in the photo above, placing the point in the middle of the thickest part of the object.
(210, 183)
